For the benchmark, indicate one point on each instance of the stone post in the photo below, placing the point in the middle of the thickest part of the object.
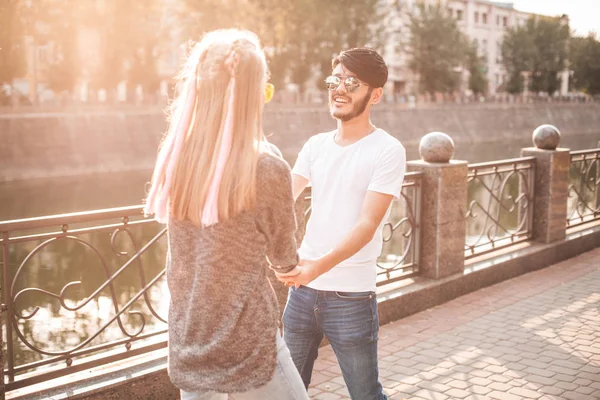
(551, 184)
(443, 206)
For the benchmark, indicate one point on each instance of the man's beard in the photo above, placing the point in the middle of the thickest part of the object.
(357, 109)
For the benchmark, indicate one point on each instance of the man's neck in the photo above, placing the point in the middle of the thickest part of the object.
(352, 131)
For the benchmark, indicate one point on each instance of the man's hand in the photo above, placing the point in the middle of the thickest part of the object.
(305, 272)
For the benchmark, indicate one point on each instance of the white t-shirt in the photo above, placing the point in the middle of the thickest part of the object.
(340, 178)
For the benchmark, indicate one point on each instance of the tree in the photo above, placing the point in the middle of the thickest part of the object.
(438, 48)
(298, 40)
(585, 63)
(478, 82)
(12, 55)
(517, 50)
(541, 48)
(550, 38)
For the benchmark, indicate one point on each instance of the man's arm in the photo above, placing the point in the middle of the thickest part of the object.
(299, 183)
(372, 212)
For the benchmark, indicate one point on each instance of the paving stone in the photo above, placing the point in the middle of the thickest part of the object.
(526, 393)
(482, 390)
(457, 393)
(500, 378)
(430, 395)
(575, 396)
(459, 384)
(541, 380)
(566, 385)
(552, 390)
(503, 387)
(585, 390)
(434, 386)
(503, 396)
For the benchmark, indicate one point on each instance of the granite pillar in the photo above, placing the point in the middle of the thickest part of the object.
(551, 184)
(443, 207)
(551, 192)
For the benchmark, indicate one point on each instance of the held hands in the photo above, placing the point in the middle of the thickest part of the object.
(305, 272)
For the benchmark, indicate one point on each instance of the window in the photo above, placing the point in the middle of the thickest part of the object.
(459, 15)
(504, 21)
(484, 18)
(476, 17)
(498, 20)
(484, 45)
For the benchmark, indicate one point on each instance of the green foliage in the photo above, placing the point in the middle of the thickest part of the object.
(299, 37)
(539, 47)
(478, 82)
(439, 48)
(585, 64)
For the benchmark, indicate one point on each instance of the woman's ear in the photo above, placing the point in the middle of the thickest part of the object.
(376, 95)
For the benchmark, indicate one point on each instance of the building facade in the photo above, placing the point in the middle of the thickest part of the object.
(484, 22)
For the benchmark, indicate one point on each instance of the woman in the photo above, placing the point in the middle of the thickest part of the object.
(229, 208)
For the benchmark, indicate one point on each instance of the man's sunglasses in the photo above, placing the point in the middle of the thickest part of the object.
(351, 83)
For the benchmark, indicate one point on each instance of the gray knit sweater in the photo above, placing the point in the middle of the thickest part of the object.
(223, 315)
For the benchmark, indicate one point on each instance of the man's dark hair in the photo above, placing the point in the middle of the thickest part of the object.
(366, 63)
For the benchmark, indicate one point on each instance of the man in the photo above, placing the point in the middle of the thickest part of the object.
(355, 173)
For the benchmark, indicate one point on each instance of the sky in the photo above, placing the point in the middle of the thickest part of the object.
(584, 15)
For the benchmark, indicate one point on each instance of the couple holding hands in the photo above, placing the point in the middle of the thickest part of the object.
(228, 201)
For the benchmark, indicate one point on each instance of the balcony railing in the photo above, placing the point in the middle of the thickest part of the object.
(500, 204)
(583, 204)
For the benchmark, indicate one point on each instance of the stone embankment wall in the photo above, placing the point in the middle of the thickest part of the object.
(41, 145)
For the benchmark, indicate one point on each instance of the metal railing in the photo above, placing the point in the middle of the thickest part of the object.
(401, 234)
(499, 204)
(85, 289)
(66, 314)
(583, 203)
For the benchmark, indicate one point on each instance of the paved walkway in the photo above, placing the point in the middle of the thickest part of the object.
(533, 337)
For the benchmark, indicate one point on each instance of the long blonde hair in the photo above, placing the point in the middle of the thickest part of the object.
(185, 189)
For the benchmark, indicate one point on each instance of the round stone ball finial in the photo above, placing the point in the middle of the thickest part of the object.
(546, 137)
(436, 147)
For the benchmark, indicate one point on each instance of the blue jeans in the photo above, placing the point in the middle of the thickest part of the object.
(350, 322)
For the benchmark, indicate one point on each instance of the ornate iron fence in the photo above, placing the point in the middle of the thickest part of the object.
(80, 290)
(401, 234)
(583, 203)
(500, 204)
(86, 289)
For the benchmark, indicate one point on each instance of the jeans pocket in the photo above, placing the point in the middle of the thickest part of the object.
(355, 295)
